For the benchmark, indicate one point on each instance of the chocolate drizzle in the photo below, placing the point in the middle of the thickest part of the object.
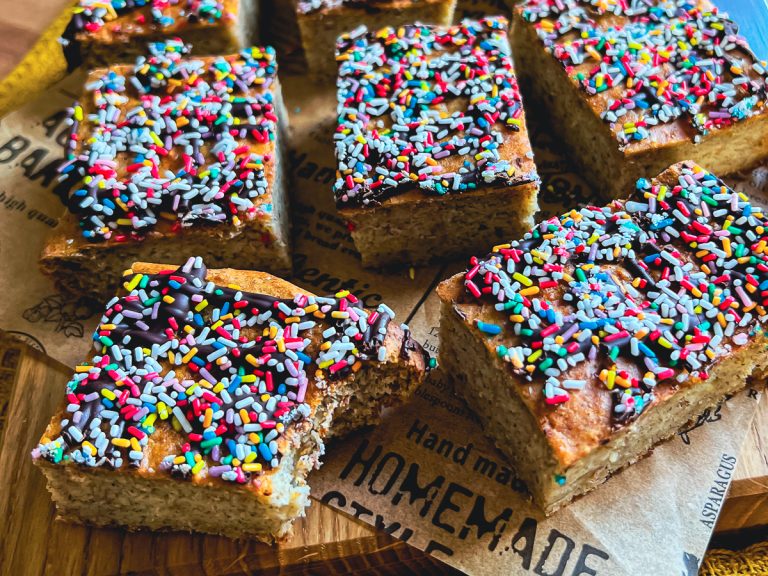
(229, 369)
(414, 100)
(174, 143)
(648, 63)
(656, 288)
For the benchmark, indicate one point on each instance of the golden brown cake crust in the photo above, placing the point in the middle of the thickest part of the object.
(577, 421)
(443, 137)
(92, 101)
(180, 190)
(302, 438)
(138, 23)
(322, 8)
(431, 136)
(674, 129)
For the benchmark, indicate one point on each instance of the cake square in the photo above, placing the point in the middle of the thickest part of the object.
(633, 87)
(602, 332)
(321, 22)
(218, 388)
(116, 31)
(432, 151)
(172, 151)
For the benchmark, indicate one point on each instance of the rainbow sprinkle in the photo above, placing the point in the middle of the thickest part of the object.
(309, 6)
(654, 62)
(415, 100)
(657, 287)
(171, 142)
(92, 15)
(228, 369)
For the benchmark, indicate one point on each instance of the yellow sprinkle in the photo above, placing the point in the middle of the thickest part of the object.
(121, 442)
(535, 356)
(134, 282)
(188, 356)
(622, 382)
(721, 319)
(244, 416)
(524, 280)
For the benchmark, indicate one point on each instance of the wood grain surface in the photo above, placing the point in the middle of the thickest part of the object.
(33, 542)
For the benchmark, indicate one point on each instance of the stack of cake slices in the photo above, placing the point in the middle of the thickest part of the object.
(580, 341)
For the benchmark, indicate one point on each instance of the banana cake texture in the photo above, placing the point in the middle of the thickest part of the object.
(102, 32)
(321, 22)
(218, 388)
(633, 87)
(172, 151)
(431, 138)
(600, 333)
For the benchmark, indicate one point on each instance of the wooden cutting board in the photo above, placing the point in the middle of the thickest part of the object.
(33, 542)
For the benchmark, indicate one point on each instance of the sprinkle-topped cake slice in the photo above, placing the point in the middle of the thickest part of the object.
(321, 22)
(632, 87)
(602, 332)
(171, 151)
(431, 138)
(218, 388)
(104, 32)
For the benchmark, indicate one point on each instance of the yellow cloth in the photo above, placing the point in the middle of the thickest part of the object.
(752, 561)
(41, 67)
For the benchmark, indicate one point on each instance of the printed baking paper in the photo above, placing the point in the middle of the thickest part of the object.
(428, 475)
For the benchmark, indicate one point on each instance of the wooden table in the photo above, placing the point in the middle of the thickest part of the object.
(32, 542)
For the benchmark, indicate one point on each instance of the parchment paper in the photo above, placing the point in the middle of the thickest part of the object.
(427, 475)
